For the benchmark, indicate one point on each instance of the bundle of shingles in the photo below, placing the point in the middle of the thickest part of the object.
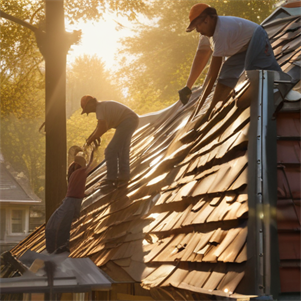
(182, 221)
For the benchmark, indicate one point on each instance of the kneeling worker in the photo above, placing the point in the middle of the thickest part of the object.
(111, 114)
(244, 43)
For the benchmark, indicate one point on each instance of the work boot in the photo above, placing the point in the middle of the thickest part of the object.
(108, 187)
(62, 249)
(122, 183)
(106, 181)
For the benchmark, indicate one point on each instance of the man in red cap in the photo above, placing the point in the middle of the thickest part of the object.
(245, 44)
(112, 114)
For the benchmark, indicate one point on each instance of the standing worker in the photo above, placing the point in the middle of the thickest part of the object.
(244, 43)
(111, 114)
(58, 227)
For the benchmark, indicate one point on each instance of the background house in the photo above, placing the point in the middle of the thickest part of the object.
(19, 207)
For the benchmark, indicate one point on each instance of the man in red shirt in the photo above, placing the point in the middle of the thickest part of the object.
(58, 227)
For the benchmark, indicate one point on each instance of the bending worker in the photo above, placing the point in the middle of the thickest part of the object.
(244, 43)
(111, 114)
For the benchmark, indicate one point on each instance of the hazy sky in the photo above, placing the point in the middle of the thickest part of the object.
(100, 38)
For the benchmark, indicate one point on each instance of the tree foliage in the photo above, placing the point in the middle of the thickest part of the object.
(95, 9)
(156, 61)
(22, 94)
(22, 79)
(88, 75)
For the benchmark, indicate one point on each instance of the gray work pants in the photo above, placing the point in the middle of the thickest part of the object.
(58, 227)
(259, 56)
(117, 153)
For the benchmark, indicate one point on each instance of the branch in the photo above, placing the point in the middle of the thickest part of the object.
(29, 71)
(40, 8)
(18, 21)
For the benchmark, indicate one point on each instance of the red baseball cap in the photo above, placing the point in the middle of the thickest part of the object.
(83, 102)
(195, 12)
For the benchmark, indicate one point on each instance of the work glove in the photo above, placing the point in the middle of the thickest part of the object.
(184, 94)
(97, 142)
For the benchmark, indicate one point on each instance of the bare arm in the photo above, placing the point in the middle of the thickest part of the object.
(98, 132)
(215, 66)
(200, 60)
(91, 165)
(91, 158)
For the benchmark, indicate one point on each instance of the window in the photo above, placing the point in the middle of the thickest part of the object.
(17, 221)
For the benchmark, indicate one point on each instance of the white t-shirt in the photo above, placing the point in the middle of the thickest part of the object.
(113, 112)
(230, 35)
(205, 43)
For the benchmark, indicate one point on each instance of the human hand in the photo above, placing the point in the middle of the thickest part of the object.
(184, 95)
(96, 141)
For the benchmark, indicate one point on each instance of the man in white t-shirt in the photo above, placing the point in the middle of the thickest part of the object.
(112, 114)
(245, 44)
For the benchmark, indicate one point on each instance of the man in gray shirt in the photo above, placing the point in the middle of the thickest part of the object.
(112, 114)
(245, 44)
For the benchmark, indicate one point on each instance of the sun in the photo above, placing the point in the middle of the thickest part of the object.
(100, 38)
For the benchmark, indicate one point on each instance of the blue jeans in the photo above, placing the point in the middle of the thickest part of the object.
(117, 153)
(58, 227)
(259, 56)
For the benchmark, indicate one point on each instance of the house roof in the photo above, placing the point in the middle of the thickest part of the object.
(68, 275)
(14, 190)
(183, 220)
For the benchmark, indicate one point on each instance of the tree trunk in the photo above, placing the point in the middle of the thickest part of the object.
(55, 53)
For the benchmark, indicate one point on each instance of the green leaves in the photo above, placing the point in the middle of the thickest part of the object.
(94, 9)
(21, 78)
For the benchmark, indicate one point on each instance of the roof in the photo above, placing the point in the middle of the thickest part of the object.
(14, 190)
(187, 219)
(68, 275)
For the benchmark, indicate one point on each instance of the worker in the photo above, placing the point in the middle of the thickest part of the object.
(245, 44)
(58, 227)
(111, 114)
